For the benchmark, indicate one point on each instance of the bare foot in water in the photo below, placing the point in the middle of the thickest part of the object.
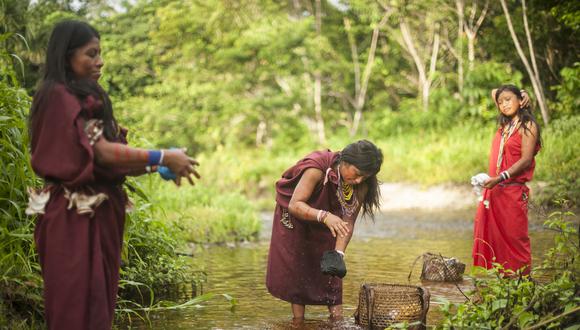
(297, 322)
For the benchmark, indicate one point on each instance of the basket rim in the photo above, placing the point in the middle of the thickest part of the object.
(378, 284)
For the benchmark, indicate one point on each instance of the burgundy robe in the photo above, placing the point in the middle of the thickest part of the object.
(79, 254)
(501, 229)
(293, 272)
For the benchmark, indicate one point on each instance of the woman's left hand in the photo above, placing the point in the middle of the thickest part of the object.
(336, 226)
(491, 182)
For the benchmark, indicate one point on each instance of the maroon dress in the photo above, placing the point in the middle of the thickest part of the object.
(79, 253)
(297, 245)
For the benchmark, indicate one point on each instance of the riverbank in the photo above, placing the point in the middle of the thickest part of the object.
(397, 196)
(411, 196)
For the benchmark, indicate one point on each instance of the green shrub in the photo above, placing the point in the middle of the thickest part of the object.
(568, 101)
(150, 254)
(517, 301)
(558, 163)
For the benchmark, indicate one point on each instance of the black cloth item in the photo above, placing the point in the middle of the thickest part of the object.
(332, 264)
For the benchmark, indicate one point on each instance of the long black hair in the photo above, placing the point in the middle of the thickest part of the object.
(366, 157)
(525, 114)
(67, 36)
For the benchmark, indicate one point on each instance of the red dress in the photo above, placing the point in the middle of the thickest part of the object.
(79, 254)
(297, 246)
(501, 222)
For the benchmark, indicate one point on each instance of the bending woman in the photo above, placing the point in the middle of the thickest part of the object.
(317, 203)
(501, 222)
(81, 153)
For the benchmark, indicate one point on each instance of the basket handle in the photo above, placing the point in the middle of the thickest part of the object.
(425, 300)
(369, 298)
(456, 285)
(413, 267)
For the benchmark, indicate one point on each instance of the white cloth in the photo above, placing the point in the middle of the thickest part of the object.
(477, 182)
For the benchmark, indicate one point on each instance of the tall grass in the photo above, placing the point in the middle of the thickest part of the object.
(430, 157)
(205, 213)
(20, 282)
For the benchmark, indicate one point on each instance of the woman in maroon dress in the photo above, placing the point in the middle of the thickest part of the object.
(317, 203)
(81, 153)
(501, 222)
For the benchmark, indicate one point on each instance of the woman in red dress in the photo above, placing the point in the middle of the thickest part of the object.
(81, 153)
(501, 222)
(317, 203)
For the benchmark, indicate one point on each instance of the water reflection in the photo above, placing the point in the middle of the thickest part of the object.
(381, 251)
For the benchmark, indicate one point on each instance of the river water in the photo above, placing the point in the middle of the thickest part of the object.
(380, 251)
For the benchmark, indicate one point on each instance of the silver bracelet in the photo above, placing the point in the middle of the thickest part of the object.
(504, 175)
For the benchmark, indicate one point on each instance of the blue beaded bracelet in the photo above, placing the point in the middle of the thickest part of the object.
(155, 157)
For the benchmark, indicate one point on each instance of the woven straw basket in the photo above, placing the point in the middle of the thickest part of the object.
(439, 268)
(382, 305)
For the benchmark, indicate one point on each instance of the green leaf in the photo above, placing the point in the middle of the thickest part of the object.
(497, 304)
(573, 327)
(526, 318)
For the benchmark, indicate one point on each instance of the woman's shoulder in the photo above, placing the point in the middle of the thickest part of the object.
(320, 160)
(59, 100)
(58, 92)
(57, 89)
(325, 154)
(529, 125)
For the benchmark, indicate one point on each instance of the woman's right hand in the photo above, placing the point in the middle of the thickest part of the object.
(180, 164)
(491, 182)
(336, 225)
(525, 102)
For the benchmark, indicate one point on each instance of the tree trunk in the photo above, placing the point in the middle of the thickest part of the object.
(531, 46)
(418, 63)
(318, 82)
(471, 30)
(536, 84)
(471, 27)
(425, 80)
(460, 5)
(361, 91)
(471, 51)
(318, 108)
(260, 133)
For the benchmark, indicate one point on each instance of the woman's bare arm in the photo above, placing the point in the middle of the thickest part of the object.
(114, 154)
(529, 141)
(299, 208)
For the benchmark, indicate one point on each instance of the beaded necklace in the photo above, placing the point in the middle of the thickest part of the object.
(346, 197)
(346, 190)
(505, 135)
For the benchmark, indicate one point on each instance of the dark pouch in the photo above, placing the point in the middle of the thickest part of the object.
(332, 264)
